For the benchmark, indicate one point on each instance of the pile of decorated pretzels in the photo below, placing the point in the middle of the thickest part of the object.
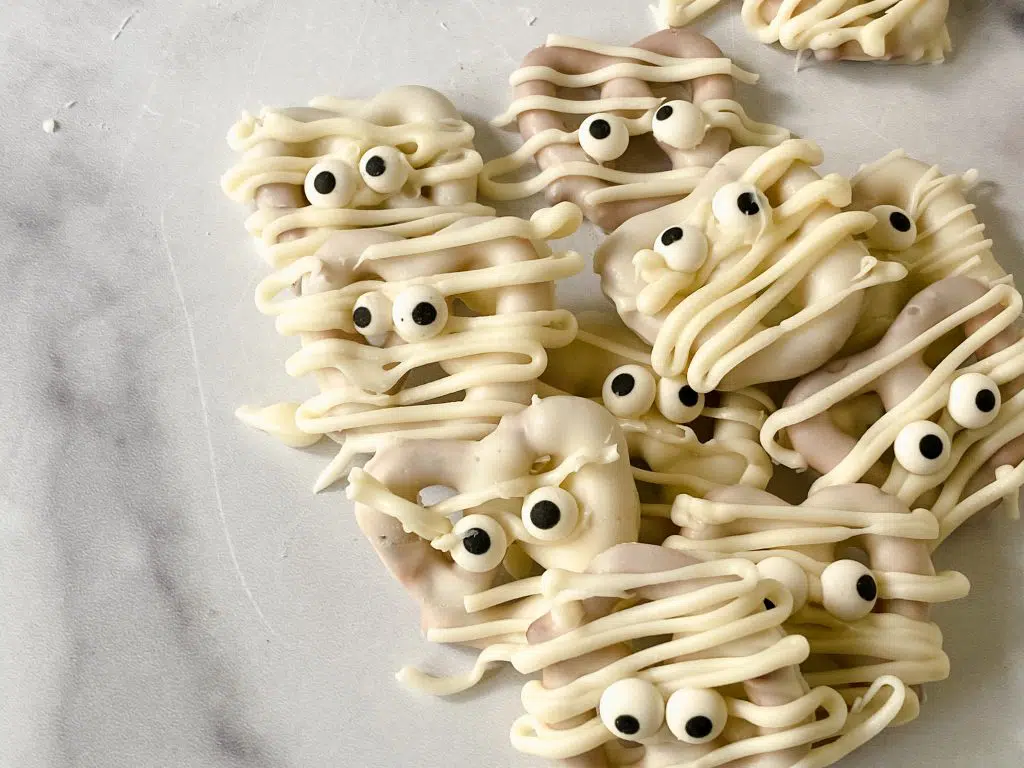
(584, 497)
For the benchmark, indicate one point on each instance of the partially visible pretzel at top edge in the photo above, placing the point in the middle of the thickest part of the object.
(694, 129)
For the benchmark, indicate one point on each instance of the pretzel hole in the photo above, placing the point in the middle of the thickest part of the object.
(854, 553)
(435, 494)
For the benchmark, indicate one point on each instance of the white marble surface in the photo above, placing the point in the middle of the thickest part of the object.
(171, 593)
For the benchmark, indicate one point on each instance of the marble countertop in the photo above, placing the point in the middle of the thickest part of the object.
(172, 593)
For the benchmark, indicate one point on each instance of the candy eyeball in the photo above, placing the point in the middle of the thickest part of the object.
(371, 314)
(696, 715)
(741, 207)
(482, 543)
(604, 137)
(974, 401)
(384, 170)
(419, 313)
(849, 590)
(894, 230)
(629, 391)
(678, 401)
(788, 574)
(679, 124)
(632, 709)
(684, 247)
(330, 184)
(550, 513)
(922, 447)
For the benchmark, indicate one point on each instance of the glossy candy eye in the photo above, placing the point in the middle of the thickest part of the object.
(679, 124)
(974, 401)
(788, 574)
(632, 709)
(696, 715)
(678, 402)
(922, 447)
(482, 543)
(741, 207)
(604, 137)
(384, 170)
(849, 590)
(330, 184)
(629, 391)
(371, 314)
(550, 513)
(419, 313)
(894, 230)
(683, 247)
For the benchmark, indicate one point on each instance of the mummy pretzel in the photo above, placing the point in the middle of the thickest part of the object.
(551, 485)
(402, 161)
(861, 30)
(674, 87)
(933, 414)
(653, 659)
(679, 441)
(864, 618)
(754, 277)
(375, 311)
(924, 222)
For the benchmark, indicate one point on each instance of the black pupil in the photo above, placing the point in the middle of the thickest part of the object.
(688, 397)
(361, 317)
(768, 604)
(424, 313)
(376, 166)
(985, 400)
(477, 541)
(699, 727)
(627, 724)
(664, 113)
(545, 515)
(866, 588)
(930, 446)
(747, 203)
(324, 183)
(600, 129)
(671, 235)
(623, 384)
(899, 221)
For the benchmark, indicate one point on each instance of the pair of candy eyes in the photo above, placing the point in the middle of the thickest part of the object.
(678, 124)
(849, 590)
(634, 709)
(331, 183)
(418, 313)
(630, 391)
(924, 447)
(549, 514)
(737, 207)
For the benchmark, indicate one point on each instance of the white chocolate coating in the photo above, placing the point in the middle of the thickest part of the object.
(414, 125)
(948, 238)
(373, 390)
(908, 30)
(674, 86)
(560, 442)
(843, 419)
(774, 299)
(717, 446)
(725, 659)
(854, 636)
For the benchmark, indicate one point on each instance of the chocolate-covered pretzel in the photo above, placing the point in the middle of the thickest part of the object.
(755, 277)
(925, 411)
(652, 658)
(905, 30)
(675, 86)
(377, 314)
(403, 160)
